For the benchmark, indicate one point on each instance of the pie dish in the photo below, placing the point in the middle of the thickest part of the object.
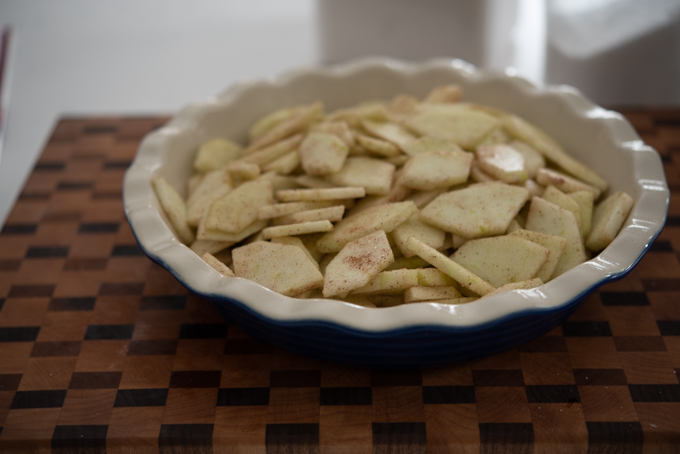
(411, 335)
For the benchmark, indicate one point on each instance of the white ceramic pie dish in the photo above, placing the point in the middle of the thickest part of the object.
(414, 334)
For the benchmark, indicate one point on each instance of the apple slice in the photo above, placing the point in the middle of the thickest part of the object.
(285, 209)
(391, 132)
(217, 235)
(378, 146)
(585, 201)
(608, 217)
(522, 285)
(457, 271)
(410, 263)
(299, 119)
(432, 236)
(502, 162)
(422, 198)
(370, 110)
(555, 245)
(301, 228)
(382, 217)
(460, 123)
(332, 214)
(284, 165)
(282, 268)
(415, 294)
(389, 282)
(374, 175)
(427, 143)
(565, 183)
(297, 242)
(357, 263)
(214, 185)
(433, 170)
(546, 217)
(274, 151)
(339, 128)
(215, 154)
(444, 93)
(238, 209)
(432, 277)
(533, 160)
(502, 259)
(200, 247)
(319, 194)
(480, 210)
(174, 207)
(322, 153)
(453, 301)
(269, 121)
(541, 142)
(216, 264)
(562, 200)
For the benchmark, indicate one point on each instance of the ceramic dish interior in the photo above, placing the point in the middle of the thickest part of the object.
(411, 335)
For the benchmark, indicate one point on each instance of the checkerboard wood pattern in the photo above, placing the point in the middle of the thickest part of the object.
(102, 350)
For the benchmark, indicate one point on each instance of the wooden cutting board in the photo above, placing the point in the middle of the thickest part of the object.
(100, 349)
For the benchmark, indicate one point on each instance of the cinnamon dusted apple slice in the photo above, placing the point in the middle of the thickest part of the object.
(433, 170)
(374, 175)
(263, 156)
(585, 201)
(378, 146)
(427, 143)
(432, 236)
(338, 128)
(214, 185)
(332, 214)
(502, 259)
(319, 194)
(389, 282)
(217, 235)
(458, 272)
(392, 132)
(297, 242)
(533, 160)
(608, 217)
(297, 121)
(302, 228)
(269, 121)
(200, 247)
(522, 285)
(546, 217)
(502, 162)
(174, 207)
(238, 209)
(283, 268)
(555, 245)
(216, 153)
(357, 263)
(216, 264)
(444, 93)
(382, 217)
(562, 200)
(541, 142)
(432, 277)
(322, 153)
(461, 123)
(418, 293)
(480, 210)
(564, 183)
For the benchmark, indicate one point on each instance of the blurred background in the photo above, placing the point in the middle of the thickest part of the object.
(137, 57)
